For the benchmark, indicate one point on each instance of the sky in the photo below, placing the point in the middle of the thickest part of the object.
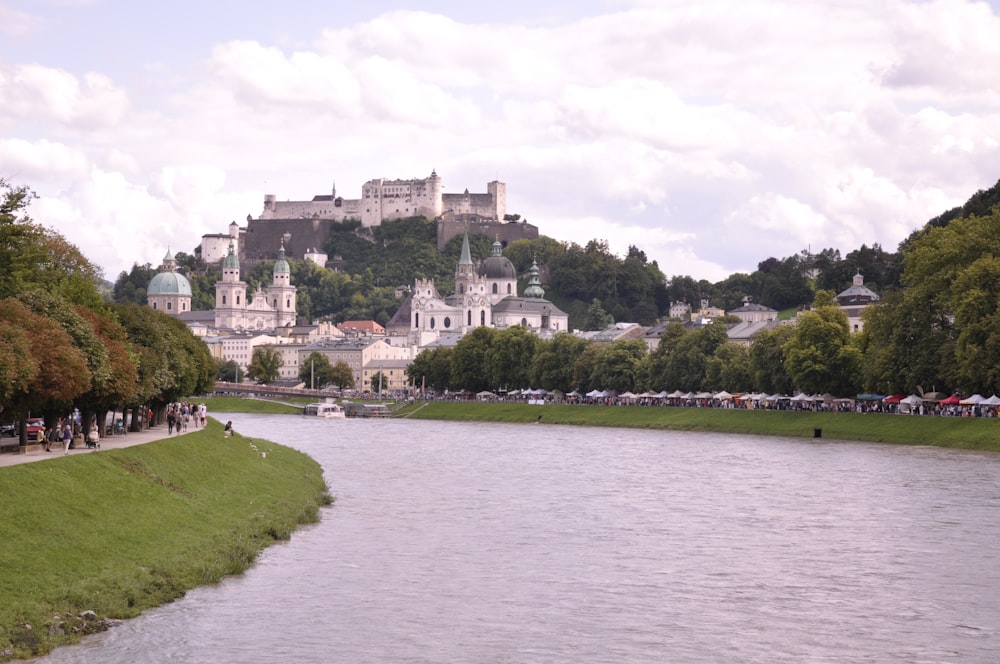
(711, 135)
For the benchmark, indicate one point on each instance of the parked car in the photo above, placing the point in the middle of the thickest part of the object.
(8, 429)
(34, 427)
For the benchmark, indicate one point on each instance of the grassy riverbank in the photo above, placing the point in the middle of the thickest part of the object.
(119, 531)
(955, 432)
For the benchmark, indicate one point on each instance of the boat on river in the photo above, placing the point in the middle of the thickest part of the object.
(330, 411)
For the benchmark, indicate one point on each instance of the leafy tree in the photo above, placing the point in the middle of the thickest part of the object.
(468, 361)
(265, 364)
(596, 317)
(821, 357)
(316, 371)
(431, 369)
(228, 371)
(552, 367)
(767, 361)
(509, 358)
(342, 376)
(379, 382)
(53, 372)
(619, 365)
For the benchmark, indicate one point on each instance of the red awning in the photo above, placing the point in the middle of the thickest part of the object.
(953, 400)
(895, 398)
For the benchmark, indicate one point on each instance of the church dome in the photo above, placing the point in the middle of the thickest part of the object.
(281, 265)
(169, 283)
(497, 266)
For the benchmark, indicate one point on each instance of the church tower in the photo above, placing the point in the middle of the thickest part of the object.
(281, 294)
(230, 294)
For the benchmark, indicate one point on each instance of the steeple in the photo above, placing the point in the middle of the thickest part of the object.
(466, 257)
(534, 288)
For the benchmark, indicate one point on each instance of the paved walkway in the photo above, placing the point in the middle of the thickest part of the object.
(107, 443)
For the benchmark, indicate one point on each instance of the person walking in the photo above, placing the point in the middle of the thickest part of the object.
(67, 437)
(171, 421)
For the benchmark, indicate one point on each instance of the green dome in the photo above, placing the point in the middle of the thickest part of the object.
(169, 283)
(281, 265)
(231, 261)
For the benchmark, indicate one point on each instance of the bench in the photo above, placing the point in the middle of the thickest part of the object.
(9, 444)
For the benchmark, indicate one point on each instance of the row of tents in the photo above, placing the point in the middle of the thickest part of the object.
(912, 400)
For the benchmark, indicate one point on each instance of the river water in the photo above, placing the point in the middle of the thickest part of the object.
(453, 542)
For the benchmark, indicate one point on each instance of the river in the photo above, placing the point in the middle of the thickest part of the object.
(454, 542)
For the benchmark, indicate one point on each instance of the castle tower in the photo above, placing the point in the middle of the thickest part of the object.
(230, 294)
(435, 186)
(281, 294)
(498, 192)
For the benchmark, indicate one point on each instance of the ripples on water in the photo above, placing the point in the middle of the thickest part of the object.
(527, 543)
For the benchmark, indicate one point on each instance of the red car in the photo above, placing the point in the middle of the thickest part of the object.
(34, 427)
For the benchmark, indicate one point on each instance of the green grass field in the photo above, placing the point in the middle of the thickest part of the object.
(119, 531)
(955, 432)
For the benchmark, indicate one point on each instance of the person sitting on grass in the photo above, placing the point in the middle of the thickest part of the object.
(229, 429)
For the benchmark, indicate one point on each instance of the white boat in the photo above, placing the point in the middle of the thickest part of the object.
(330, 411)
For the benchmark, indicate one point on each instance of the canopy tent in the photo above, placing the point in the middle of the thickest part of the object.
(723, 395)
(974, 400)
(895, 398)
(994, 400)
(953, 400)
(912, 400)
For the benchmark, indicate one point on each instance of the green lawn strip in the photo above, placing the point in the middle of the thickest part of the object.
(956, 432)
(265, 406)
(119, 531)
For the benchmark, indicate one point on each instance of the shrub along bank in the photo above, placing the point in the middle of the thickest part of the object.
(956, 432)
(105, 535)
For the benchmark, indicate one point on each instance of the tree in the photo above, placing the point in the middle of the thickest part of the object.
(510, 357)
(228, 371)
(379, 382)
(265, 364)
(315, 371)
(468, 361)
(820, 356)
(767, 361)
(341, 376)
(552, 367)
(619, 365)
(596, 317)
(431, 369)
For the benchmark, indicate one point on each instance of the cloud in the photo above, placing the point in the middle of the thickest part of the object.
(37, 92)
(712, 135)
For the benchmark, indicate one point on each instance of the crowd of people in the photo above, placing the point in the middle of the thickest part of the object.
(183, 413)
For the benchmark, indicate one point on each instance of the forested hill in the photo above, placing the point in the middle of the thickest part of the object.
(589, 282)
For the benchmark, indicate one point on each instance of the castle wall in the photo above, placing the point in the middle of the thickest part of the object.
(263, 237)
(506, 232)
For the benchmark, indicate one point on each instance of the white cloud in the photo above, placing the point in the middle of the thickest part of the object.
(712, 135)
(34, 92)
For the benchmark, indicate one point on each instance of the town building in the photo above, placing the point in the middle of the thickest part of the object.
(169, 291)
(266, 310)
(854, 300)
(485, 295)
(751, 312)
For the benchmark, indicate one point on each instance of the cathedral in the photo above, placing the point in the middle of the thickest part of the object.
(485, 295)
(235, 309)
(266, 310)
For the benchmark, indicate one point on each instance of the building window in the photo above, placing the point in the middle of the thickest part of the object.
(508, 289)
(524, 322)
(447, 322)
(237, 299)
(482, 318)
(154, 305)
(288, 303)
(184, 306)
(170, 306)
(432, 322)
(494, 289)
(223, 300)
(416, 320)
(468, 318)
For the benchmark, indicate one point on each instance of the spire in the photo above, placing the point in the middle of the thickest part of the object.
(534, 288)
(231, 261)
(497, 247)
(466, 258)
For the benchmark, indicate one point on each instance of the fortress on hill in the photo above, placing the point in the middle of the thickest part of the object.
(306, 225)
